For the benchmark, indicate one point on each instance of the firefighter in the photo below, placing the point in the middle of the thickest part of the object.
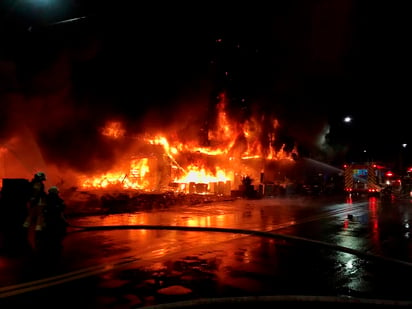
(36, 202)
(50, 240)
(53, 212)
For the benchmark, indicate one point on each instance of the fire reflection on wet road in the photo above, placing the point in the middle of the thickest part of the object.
(212, 263)
(262, 215)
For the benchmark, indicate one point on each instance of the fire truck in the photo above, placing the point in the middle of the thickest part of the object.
(365, 178)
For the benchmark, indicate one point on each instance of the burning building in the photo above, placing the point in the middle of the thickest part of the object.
(162, 162)
(216, 163)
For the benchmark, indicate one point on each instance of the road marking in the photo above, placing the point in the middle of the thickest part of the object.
(50, 281)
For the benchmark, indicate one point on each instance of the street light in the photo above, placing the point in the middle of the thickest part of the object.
(402, 155)
(347, 119)
(40, 2)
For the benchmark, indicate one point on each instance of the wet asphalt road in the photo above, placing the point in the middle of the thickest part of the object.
(322, 246)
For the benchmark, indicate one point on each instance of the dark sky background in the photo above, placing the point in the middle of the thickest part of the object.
(309, 63)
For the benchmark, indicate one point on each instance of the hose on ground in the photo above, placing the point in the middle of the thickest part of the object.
(245, 232)
(278, 299)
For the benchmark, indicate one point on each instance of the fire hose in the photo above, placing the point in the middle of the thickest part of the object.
(241, 231)
(278, 299)
(262, 299)
(30, 286)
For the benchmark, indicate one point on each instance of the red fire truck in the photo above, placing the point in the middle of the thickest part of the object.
(365, 178)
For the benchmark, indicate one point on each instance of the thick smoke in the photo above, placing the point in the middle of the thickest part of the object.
(65, 84)
(45, 124)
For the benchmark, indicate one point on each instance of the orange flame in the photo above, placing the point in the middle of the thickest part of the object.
(113, 129)
(202, 175)
(231, 144)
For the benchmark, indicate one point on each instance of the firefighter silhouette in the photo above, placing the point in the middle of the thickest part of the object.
(36, 202)
(49, 240)
(53, 213)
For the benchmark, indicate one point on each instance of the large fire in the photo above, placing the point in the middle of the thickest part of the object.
(164, 161)
(234, 151)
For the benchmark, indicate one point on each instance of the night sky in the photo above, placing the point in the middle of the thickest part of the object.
(309, 63)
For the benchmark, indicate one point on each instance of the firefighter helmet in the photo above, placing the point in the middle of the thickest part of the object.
(40, 175)
(54, 190)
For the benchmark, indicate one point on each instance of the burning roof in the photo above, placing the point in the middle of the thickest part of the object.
(156, 161)
(223, 151)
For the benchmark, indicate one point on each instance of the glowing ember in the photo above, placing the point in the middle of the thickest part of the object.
(113, 129)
